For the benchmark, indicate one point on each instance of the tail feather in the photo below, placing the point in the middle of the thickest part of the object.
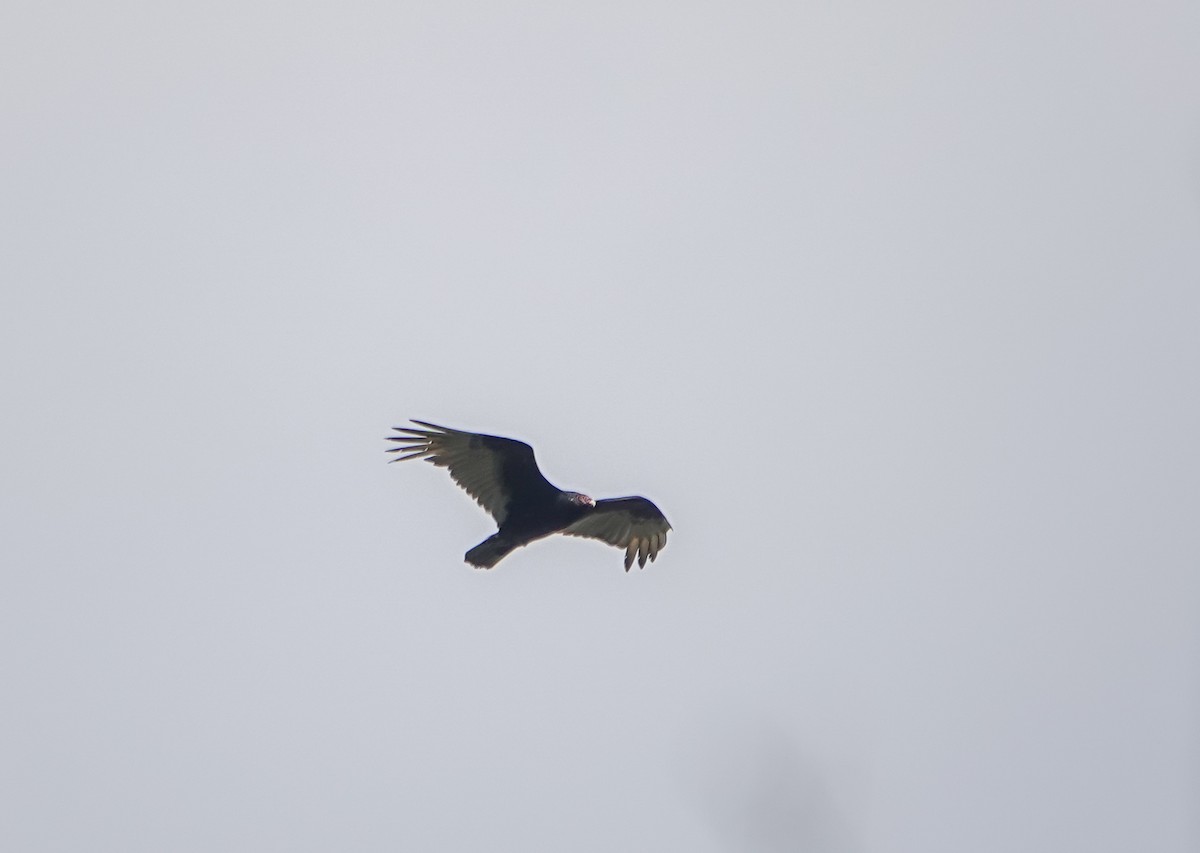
(490, 551)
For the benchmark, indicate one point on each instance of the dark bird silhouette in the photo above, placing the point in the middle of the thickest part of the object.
(502, 475)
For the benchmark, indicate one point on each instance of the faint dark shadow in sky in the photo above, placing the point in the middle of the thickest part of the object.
(758, 791)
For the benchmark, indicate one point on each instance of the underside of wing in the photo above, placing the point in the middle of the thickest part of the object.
(491, 469)
(634, 524)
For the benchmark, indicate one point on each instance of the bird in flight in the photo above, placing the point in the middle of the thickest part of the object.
(503, 477)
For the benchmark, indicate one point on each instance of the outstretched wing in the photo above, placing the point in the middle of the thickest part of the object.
(634, 524)
(492, 470)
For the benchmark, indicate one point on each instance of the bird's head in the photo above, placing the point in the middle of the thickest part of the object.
(580, 499)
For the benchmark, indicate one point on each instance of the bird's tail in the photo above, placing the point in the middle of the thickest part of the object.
(490, 551)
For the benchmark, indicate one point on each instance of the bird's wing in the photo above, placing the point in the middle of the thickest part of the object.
(634, 524)
(490, 469)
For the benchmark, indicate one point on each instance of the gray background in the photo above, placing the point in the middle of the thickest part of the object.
(893, 309)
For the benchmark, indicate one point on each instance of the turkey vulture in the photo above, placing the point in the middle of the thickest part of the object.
(502, 475)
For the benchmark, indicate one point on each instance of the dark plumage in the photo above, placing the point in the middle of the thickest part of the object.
(502, 475)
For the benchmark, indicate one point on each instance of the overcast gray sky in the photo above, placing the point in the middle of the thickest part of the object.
(892, 308)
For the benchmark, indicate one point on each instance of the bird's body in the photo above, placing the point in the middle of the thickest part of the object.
(502, 475)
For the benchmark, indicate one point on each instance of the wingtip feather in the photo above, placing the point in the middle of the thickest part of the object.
(409, 455)
(431, 426)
